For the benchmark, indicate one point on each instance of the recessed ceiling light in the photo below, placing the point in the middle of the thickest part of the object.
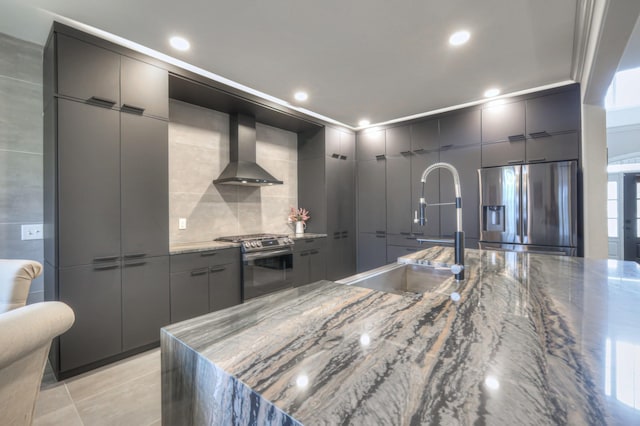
(459, 37)
(179, 43)
(363, 123)
(301, 96)
(490, 93)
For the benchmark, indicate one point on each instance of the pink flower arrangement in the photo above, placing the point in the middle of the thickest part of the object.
(298, 215)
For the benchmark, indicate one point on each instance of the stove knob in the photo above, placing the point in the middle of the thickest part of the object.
(246, 244)
(253, 244)
(259, 244)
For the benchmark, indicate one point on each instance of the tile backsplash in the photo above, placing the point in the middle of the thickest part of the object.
(199, 151)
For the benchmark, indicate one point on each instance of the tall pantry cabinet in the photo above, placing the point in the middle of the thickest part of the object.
(106, 199)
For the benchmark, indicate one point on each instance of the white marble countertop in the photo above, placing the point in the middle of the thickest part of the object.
(534, 339)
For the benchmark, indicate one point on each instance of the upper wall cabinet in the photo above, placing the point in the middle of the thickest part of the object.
(90, 73)
(424, 136)
(554, 113)
(503, 122)
(339, 144)
(87, 72)
(460, 129)
(370, 145)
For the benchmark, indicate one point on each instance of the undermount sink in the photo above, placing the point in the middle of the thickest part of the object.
(402, 279)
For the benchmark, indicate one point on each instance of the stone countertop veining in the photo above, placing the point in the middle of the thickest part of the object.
(534, 339)
(182, 248)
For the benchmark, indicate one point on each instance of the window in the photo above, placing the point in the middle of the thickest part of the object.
(637, 209)
(624, 91)
(612, 209)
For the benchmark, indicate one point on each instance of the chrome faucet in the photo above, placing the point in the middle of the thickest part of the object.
(458, 268)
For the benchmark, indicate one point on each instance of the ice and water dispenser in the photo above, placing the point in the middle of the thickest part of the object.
(493, 218)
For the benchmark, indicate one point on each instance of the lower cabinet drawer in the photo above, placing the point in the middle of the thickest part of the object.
(203, 259)
(553, 148)
(225, 287)
(394, 252)
(189, 294)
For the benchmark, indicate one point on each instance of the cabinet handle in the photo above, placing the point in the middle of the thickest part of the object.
(304, 253)
(514, 138)
(381, 236)
(132, 109)
(135, 264)
(105, 259)
(406, 153)
(208, 254)
(381, 232)
(198, 272)
(334, 155)
(418, 233)
(343, 157)
(515, 162)
(219, 269)
(419, 151)
(314, 252)
(309, 240)
(446, 146)
(405, 233)
(101, 101)
(381, 157)
(411, 238)
(542, 134)
(104, 268)
(538, 160)
(134, 255)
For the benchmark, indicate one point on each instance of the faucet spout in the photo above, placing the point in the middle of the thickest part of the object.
(458, 268)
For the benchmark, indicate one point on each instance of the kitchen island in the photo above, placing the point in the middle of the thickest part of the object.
(533, 339)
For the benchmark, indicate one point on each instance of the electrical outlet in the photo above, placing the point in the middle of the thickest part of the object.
(32, 231)
(182, 223)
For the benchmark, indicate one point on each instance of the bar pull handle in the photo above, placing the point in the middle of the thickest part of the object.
(381, 157)
(405, 233)
(514, 138)
(515, 162)
(208, 254)
(406, 153)
(304, 253)
(104, 268)
(135, 264)
(538, 160)
(334, 155)
(343, 157)
(132, 109)
(134, 255)
(314, 252)
(381, 232)
(446, 146)
(219, 269)
(198, 272)
(419, 151)
(105, 259)
(97, 100)
(542, 134)
(381, 236)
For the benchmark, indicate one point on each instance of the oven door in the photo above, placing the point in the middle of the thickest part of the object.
(266, 271)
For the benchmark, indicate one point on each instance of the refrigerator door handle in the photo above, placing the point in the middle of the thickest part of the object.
(524, 207)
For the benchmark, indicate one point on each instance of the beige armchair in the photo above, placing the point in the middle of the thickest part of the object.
(25, 339)
(15, 280)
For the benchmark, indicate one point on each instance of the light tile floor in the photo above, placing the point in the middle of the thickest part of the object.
(124, 393)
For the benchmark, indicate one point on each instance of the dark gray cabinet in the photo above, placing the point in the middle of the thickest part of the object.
(503, 122)
(460, 128)
(144, 88)
(87, 72)
(554, 113)
(204, 282)
(425, 146)
(425, 136)
(503, 153)
(372, 203)
(372, 251)
(88, 184)
(145, 300)
(370, 145)
(145, 186)
(558, 147)
(467, 161)
(398, 175)
(94, 293)
(394, 252)
(309, 261)
(326, 187)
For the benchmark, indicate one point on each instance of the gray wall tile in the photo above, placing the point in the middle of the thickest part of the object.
(20, 115)
(199, 151)
(20, 59)
(21, 151)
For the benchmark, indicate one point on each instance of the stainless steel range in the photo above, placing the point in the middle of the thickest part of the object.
(267, 263)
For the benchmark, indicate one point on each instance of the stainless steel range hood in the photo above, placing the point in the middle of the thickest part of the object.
(242, 168)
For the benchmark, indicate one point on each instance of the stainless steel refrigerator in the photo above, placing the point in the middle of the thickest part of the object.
(530, 207)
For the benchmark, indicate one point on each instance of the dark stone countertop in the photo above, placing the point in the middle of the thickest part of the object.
(183, 248)
(534, 339)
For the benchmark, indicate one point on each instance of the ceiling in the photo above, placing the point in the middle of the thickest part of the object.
(374, 59)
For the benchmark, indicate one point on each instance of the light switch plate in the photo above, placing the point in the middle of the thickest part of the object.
(32, 231)
(182, 223)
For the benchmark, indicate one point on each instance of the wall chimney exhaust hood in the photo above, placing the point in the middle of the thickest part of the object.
(242, 168)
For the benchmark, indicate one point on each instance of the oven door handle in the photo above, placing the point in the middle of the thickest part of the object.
(265, 254)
